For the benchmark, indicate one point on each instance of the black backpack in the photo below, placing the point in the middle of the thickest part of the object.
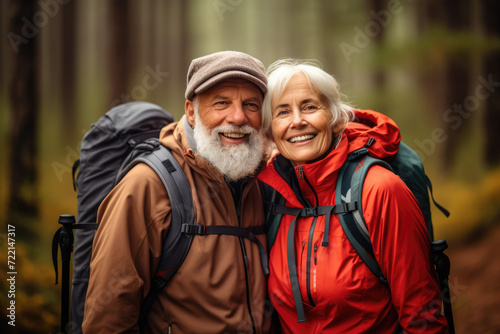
(408, 166)
(125, 136)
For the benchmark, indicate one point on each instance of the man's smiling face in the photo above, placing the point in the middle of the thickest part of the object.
(226, 120)
(231, 102)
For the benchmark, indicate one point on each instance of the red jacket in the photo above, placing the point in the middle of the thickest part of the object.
(339, 293)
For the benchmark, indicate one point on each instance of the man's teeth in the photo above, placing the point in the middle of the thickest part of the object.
(234, 135)
(301, 138)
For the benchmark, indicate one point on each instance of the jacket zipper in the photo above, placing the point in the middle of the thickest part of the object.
(308, 263)
(247, 266)
(302, 253)
(301, 172)
(302, 176)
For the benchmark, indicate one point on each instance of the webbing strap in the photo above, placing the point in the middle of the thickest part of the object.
(326, 210)
(243, 232)
(315, 211)
(55, 244)
(440, 207)
(156, 285)
(75, 167)
(292, 271)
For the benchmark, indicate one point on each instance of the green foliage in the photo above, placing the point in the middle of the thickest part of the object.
(474, 208)
(36, 296)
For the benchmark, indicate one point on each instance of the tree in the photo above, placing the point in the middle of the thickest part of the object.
(491, 70)
(447, 79)
(68, 73)
(120, 48)
(23, 155)
(457, 73)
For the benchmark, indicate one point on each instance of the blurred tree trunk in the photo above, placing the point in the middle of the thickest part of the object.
(184, 37)
(23, 155)
(490, 9)
(447, 79)
(178, 50)
(68, 64)
(120, 47)
(458, 75)
(379, 7)
(432, 79)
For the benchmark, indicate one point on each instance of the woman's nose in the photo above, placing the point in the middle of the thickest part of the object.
(298, 119)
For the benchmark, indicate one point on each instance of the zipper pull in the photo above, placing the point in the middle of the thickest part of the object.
(315, 252)
(301, 172)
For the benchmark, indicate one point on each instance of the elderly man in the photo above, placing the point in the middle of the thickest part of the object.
(221, 286)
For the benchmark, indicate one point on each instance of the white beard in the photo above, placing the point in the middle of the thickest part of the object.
(234, 161)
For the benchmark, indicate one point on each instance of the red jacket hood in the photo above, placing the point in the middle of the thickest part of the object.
(371, 124)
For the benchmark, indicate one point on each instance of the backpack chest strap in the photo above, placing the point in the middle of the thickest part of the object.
(315, 211)
(243, 232)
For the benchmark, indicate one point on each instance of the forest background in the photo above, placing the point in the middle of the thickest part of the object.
(432, 66)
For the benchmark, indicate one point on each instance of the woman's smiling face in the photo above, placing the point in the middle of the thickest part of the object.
(301, 122)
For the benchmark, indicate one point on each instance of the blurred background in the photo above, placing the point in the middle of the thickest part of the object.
(431, 65)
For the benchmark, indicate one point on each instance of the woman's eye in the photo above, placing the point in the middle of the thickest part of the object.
(281, 112)
(310, 108)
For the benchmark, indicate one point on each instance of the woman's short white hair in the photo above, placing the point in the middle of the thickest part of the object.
(279, 74)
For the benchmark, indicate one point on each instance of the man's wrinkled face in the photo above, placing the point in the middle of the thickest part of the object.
(226, 120)
(237, 102)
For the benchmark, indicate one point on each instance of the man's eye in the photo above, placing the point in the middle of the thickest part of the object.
(219, 105)
(253, 106)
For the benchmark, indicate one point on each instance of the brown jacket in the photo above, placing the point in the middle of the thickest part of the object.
(213, 291)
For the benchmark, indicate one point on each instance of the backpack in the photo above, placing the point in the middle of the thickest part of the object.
(408, 166)
(125, 136)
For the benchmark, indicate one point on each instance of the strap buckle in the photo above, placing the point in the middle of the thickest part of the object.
(193, 229)
(272, 208)
(349, 206)
(311, 212)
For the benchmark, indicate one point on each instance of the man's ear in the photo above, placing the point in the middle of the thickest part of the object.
(189, 110)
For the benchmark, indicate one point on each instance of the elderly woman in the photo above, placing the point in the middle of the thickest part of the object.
(319, 287)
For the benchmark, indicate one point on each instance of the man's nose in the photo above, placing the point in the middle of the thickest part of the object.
(237, 115)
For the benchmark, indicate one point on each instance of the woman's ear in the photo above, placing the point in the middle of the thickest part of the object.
(339, 127)
(189, 110)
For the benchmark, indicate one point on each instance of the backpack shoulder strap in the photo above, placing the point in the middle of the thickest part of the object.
(271, 198)
(349, 188)
(176, 244)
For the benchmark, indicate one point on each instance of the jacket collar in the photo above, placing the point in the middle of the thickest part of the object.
(322, 174)
(189, 132)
